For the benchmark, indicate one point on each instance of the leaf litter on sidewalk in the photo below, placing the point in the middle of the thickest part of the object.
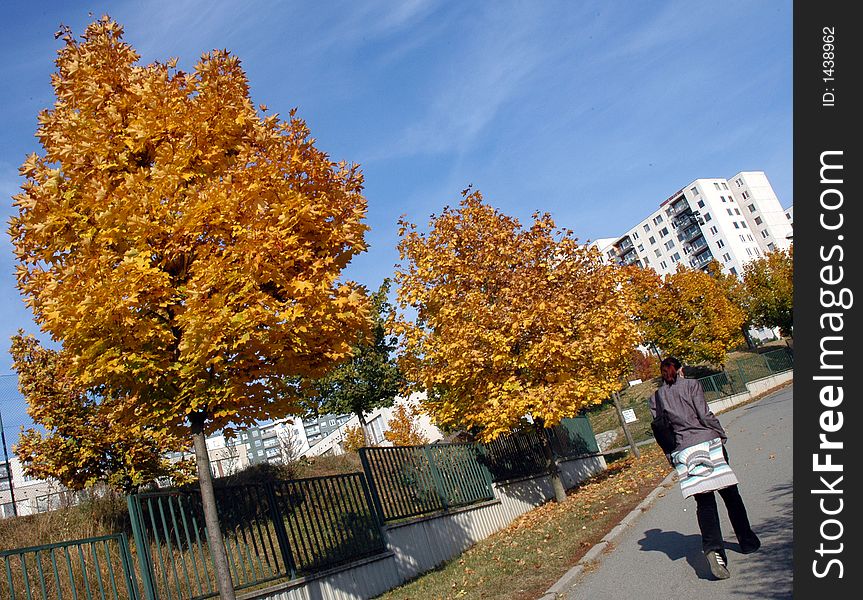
(521, 561)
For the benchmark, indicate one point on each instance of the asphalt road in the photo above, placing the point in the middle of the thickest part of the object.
(659, 556)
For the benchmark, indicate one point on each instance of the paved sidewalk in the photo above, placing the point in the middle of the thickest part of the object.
(656, 552)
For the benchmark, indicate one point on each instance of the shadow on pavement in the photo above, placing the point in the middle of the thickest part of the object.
(676, 546)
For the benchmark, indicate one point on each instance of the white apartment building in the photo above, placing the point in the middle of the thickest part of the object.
(732, 220)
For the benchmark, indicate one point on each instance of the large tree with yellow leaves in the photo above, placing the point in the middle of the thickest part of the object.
(686, 314)
(500, 322)
(184, 249)
(769, 289)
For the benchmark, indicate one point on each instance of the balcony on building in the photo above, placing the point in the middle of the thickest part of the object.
(623, 245)
(689, 233)
(696, 244)
(701, 260)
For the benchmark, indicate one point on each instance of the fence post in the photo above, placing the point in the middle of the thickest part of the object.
(372, 486)
(128, 567)
(145, 561)
(480, 449)
(438, 481)
(279, 526)
(767, 363)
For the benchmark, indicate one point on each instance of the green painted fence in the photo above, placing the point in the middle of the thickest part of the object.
(271, 531)
(98, 568)
(733, 380)
(408, 481)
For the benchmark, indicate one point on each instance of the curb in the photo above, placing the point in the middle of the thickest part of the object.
(593, 555)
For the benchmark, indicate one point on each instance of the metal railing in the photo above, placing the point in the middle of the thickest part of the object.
(98, 568)
(271, 531)
(734, 380)
(408, 481)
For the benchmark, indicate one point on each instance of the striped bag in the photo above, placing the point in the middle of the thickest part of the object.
(702, 468)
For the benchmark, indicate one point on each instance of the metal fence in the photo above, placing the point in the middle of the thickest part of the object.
(521, 454)
(97, 568)
(734, 379)
(407, 481)
(271, 531)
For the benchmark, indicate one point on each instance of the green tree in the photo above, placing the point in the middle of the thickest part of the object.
(369, 379)
(184, 249)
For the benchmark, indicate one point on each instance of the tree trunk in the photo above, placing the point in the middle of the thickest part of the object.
(550, 464)
(748, 338)
(623, 424)
(363, 424)
(211, 516)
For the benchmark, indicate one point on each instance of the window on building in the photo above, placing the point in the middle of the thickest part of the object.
(771, 246)
(733, 271)
(663, 265)
(332, 422)
(726, 257)
(730, 213)
(722, 198)
(749, 252)
(646, 262)
(720, 244)
(641, 247)
(758, 220)
(657, 253)
(707, 216)
(751, 208)
(745, 195)
(743, 238)
(757, 252)
(675, 257)
(663, 232)
(635, 235)
(788, 216)
(750, 238)
(736, 226)
(739, 182)
(652, 240)
(744, 225)
(764, 233)
(736, 211)
(657, 219)
(669, 244)
(694, 191)
(646, 228)
(701, 204)
(724, 186)
(716, 185)
(714, 230)
(255, 433)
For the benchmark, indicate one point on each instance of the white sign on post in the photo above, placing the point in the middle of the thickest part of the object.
(629, 415)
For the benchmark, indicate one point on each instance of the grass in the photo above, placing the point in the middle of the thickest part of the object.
(523, 560)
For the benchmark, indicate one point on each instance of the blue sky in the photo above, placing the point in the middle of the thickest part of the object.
(593, 111)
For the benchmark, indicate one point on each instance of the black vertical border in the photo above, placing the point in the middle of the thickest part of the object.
(822, 125)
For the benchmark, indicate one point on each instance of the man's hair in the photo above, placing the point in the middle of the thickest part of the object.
(670, 360)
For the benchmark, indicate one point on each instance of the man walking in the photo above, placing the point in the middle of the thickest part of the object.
(701, 461)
